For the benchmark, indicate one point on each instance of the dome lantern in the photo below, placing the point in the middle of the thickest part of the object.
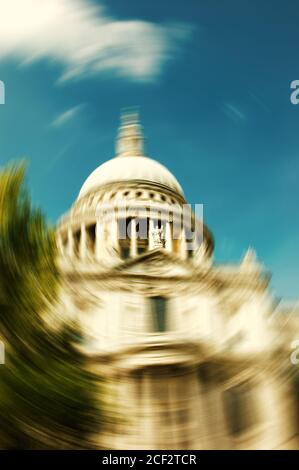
(130, 140)
(125, 167)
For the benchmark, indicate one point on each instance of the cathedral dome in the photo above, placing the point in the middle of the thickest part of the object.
(130, 164)
(130, 168)
(129, 205)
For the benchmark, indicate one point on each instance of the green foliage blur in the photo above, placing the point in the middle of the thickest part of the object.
(47, 396)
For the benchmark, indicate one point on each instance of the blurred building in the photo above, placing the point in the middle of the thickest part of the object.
(196, 355)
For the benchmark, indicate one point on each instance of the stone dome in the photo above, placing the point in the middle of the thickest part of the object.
(131, 192)
(130, 168)
(130, 164)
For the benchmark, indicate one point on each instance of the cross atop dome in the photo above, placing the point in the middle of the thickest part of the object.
(130, 139)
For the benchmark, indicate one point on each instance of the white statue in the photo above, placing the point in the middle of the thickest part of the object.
(158, 235)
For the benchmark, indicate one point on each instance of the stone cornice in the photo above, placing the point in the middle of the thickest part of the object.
(195, 281)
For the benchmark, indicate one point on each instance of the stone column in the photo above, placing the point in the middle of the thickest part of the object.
(133, 249)
(197, 405)
(174, 428)
(147, 403)
(150, 234)
(114, 232)
(168, 237)
(70, 243)
(99, 240)
(83, 243)
(183, 244)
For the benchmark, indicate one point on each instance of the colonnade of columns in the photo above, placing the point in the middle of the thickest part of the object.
(169, 412)
(160, 411)
(89, 241)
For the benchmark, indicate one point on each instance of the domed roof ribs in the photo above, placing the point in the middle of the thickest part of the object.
(130, 139)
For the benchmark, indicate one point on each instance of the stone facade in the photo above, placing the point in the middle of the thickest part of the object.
(195, 355)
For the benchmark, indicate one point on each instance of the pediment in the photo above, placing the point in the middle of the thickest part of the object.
(156, 263)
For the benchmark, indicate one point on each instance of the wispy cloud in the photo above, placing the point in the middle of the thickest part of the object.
(259, 102)
(66, 116)
(62, 153)
(233, 112)
(84, 39)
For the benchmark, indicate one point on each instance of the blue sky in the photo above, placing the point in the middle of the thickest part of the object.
(212, 79)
